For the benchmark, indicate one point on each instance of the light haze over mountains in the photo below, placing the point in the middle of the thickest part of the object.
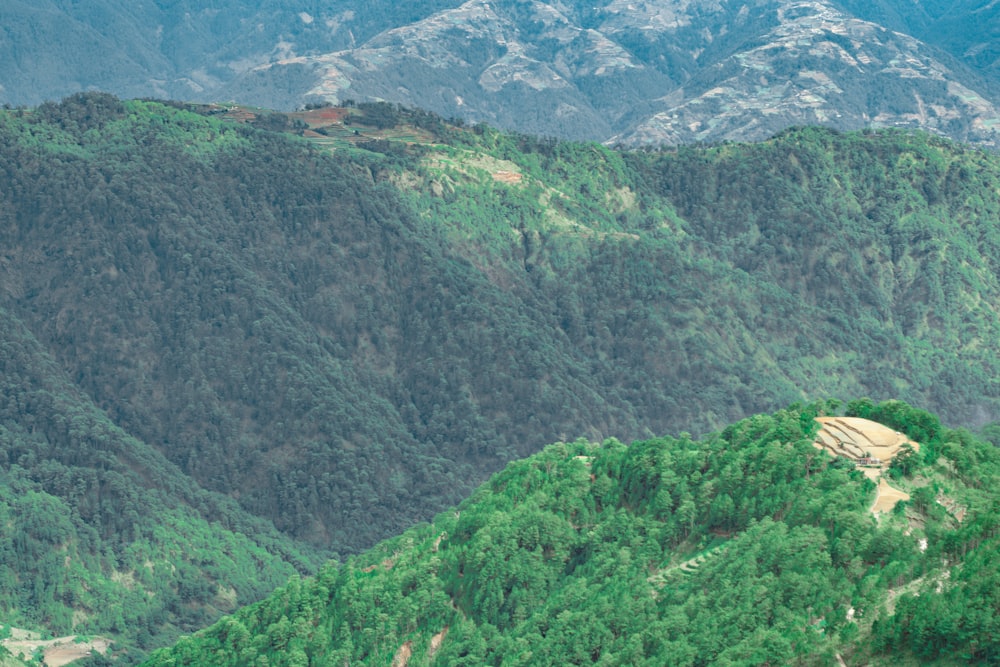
(644, 72)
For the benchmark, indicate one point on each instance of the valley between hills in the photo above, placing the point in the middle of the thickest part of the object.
(356, 381)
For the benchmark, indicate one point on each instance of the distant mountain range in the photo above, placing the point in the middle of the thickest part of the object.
(642, 72)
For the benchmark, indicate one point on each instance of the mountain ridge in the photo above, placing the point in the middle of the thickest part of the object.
(314, 330)
(738, 77)
(648, 73)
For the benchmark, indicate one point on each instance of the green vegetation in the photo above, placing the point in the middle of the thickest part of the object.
(102, 534)
(229, 353)
(571, 557)
(846, 263)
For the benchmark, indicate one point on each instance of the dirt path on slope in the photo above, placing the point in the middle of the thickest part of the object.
(887, 497)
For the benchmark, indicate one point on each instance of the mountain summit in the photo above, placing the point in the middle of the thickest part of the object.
(652, 72)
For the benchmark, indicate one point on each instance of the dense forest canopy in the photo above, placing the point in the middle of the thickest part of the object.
(223, 332)
(747, 547)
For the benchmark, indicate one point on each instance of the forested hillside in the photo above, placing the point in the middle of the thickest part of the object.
(814, 262)
(217, 333)
(747, 547)
(101, 533)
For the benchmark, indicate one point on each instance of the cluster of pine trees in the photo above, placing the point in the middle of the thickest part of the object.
(750, 546)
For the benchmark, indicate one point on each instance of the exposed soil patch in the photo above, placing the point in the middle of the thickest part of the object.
(872, 446)
(386, 564)
(436, 642)
(320, 117)
(956, 510)
(504, 176)
(403, 655)
(887, 497)
(860, 439)
(59, 651)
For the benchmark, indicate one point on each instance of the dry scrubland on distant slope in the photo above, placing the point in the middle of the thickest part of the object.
(654, 72)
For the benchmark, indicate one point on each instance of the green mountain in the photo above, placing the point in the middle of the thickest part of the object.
(101, 533)
(749, 546)
(236, 342)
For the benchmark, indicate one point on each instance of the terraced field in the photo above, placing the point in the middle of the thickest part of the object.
(54, 652)
(858, 438)
(660, 578)
(872, 446)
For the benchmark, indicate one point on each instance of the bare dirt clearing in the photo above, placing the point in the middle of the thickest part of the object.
(436, 642)
(887, 497)
(857, 438)
(403, 655)
(504, 176)
(870, 445)
(55, 652)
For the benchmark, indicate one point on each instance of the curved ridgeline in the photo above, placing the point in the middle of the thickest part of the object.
(746, 547)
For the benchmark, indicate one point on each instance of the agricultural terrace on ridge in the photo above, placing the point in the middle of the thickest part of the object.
(871, 445)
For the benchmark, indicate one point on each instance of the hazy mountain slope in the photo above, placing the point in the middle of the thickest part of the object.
(748, 547)
(652, 72)
(41, 45)
(966, 29)
(820, 66)
(181, 49)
